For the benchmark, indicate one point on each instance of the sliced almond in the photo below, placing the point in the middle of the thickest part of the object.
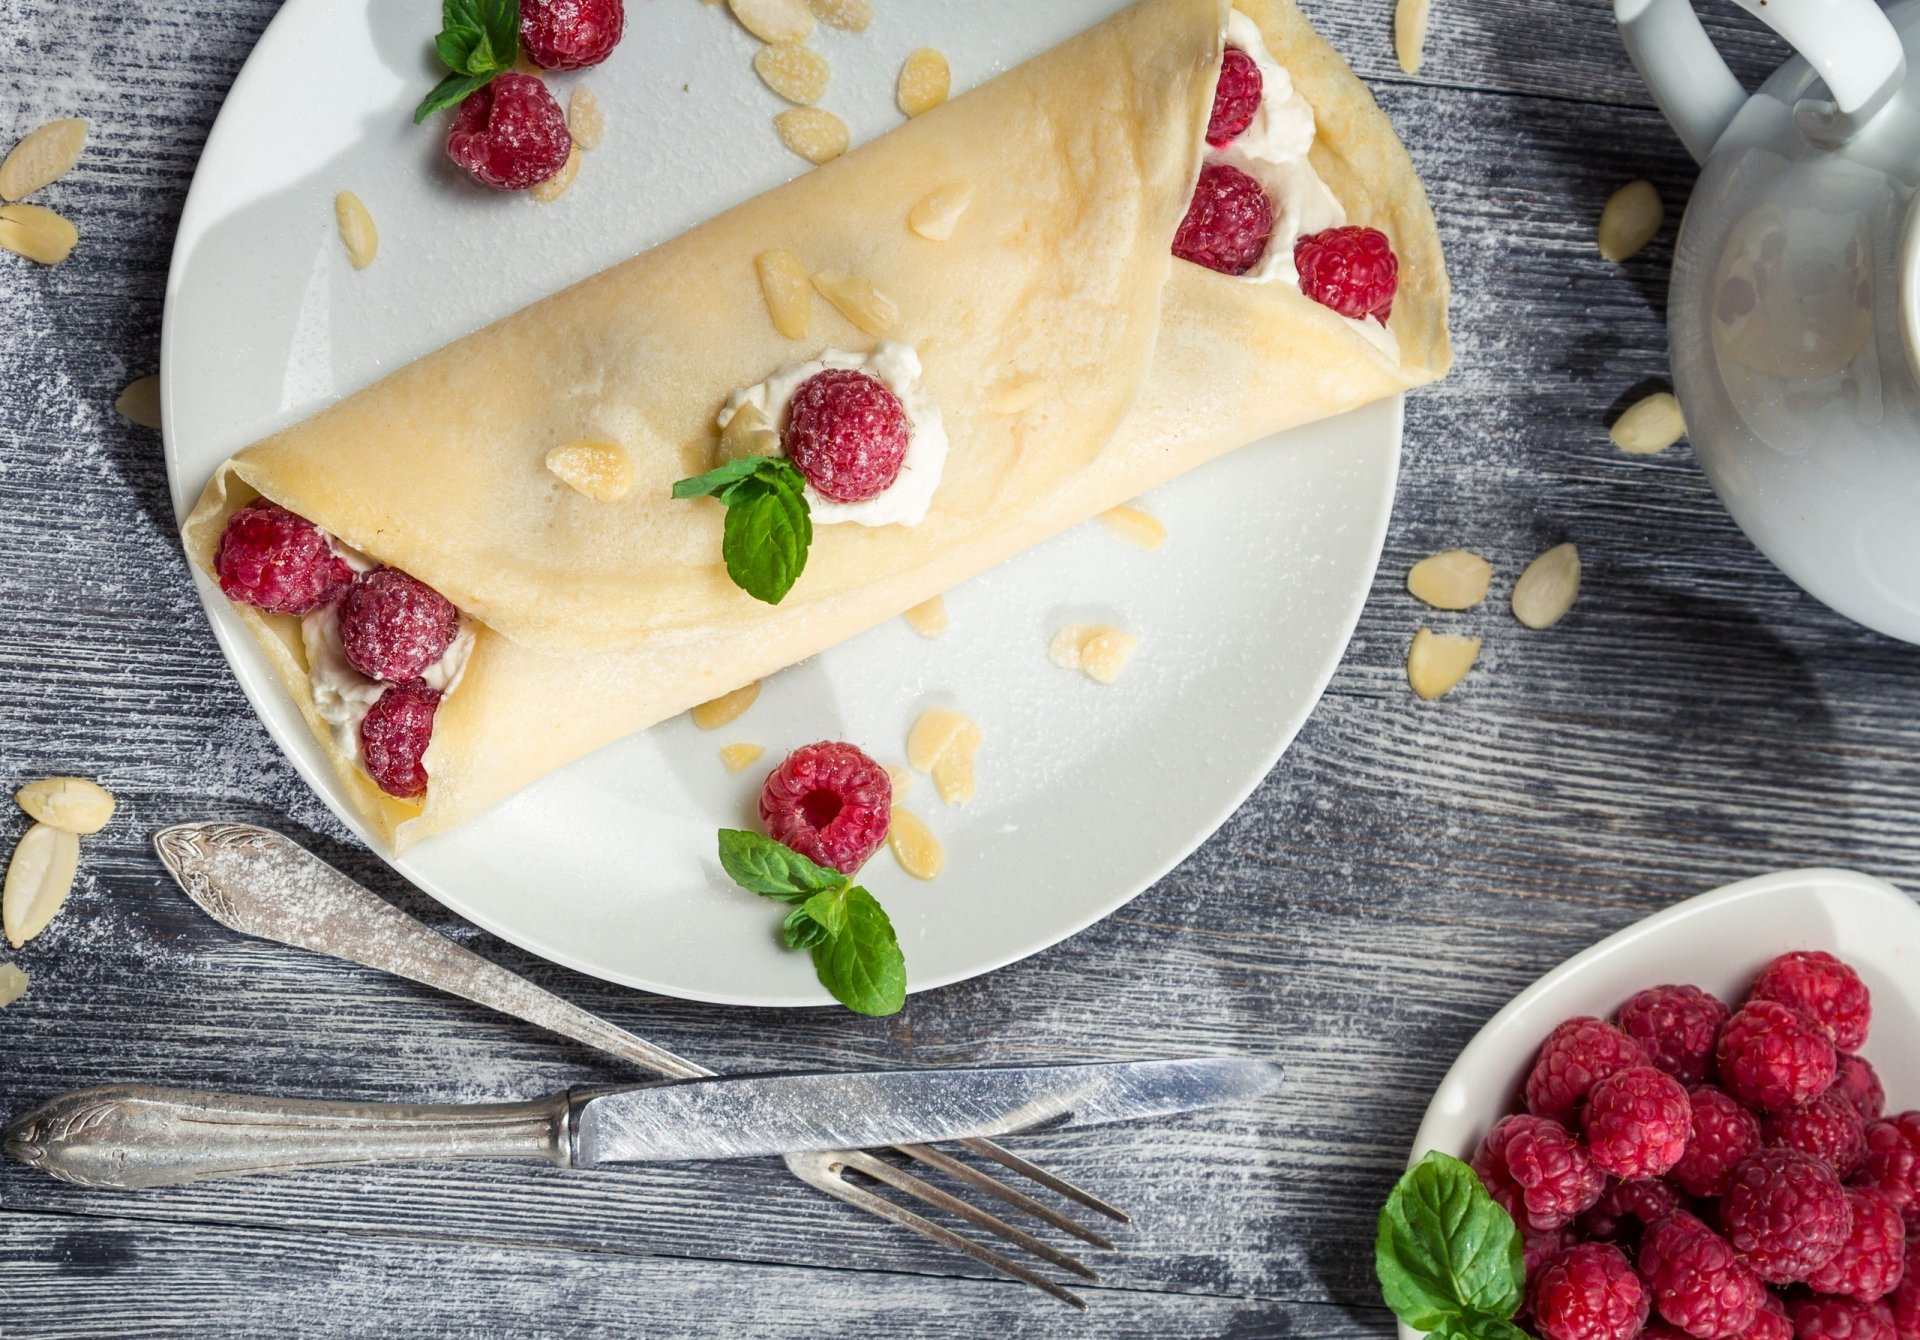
(938, 730)
(787, 291)
(727, 708)
(938, 213)
(357, 233)
(601, 471)
(39, 878)
(816, 135)
(740, 757)
(853, 16)
(43, 157)
(953, 774)
(13, 984)
(1438, 661)
(1649, 426)
(1410, 33)
(859, 301)
(1455, 580)
(140, 402)
(1629, 220)
(1099, 650)
(1140, 529)
(774, 20)
(747, 434)
(71, 803)
(585, 121)
(556, 186)
(1016, 395)
(928, 618)
(913, 844)
(797, 73)
(925, 81)
(38, 234)
(1548, 588)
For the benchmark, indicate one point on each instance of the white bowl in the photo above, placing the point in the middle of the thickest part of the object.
(1718, 941)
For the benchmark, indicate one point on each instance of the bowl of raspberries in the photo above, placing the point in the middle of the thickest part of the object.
(1708, 1126)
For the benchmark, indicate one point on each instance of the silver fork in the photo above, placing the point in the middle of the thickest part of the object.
(258, 882)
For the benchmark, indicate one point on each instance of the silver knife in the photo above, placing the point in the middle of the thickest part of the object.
(128, 1136)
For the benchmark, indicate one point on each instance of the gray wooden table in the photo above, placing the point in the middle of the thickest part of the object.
(1405, 869)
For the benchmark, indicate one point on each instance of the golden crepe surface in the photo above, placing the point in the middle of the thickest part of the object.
(598, 619)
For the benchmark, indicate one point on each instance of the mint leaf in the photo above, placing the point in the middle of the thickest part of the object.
(1447, 1255)
(769, 527)
(828, 910)
(478, 40)
(862, 966)
(801, 931)
(449, 92)
(723, 477)
(761, 865)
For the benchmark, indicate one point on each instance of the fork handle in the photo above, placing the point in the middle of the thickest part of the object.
(128, 1136)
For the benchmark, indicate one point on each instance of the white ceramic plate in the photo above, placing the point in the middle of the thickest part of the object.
(1718, 941)
(1087, 793)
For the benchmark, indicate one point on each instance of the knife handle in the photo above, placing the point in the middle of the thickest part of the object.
(127, 1136)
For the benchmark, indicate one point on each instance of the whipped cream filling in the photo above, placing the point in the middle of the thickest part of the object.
(1273, 151)
(903, 502)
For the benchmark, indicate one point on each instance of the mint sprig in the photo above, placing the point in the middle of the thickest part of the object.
(768, 528)
(855, 952)
(1448, 1256)
(478, 40)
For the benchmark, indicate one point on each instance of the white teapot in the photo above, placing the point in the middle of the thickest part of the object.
(1794, 311)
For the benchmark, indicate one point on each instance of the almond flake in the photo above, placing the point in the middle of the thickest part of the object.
(1099, 650)
(913, 844)
(938, 214)
(1650, 426)
(140, 402)
(1455, 580)
(1438, 661)
(852, 16)
(797, 73)
(748, 433)
(585, 121)
(787, 291)
(859, 301)
(1630, 218)
(817, 136)
(727, 708)
(942, 742)
(38, 234)
(740, 757)
(1548, 588)
(928, 618)
(774, 20)
(1016, 395)
(925, 80)
(71, 803)
(39, 878)
(357, 233)
(1410, 33)
(554, 187)
(953, 775)
(13, 984)
(1139, 529)
(42, 157)
(601, 471)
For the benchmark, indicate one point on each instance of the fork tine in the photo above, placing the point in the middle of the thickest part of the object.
(816, 1171)
(979, 1181)
(1006, 1158)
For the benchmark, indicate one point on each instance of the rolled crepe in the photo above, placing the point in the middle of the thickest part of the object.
(598, 619)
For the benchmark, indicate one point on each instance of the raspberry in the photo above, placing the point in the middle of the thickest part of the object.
(1636, 1122)
(1773, 1057)
(1539, 1247)
(1676, 1026)
(1842, 1319)
(570, 34)
(1824, 989)
(1770, 1322)
(1892, 1165)
(277, 562)
(1724, 1136)
(393, 626)
(1859, 1084)
(1786, 1214)
(1235, 98)
(1872, 1260)
(1588, 1292)
(1538, 1172)
(1624, 1208)
(1576, 1056)
(394, 736)
(1828, 1128)
(1228, 223)
(1906, 1298)
(1698, 1283)
(511, 134)
(1352, 270)
(828, 802)
(848, 434)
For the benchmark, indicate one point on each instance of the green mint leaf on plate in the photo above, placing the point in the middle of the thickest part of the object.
(800, 931)
(723, 477)
(478, 40)
(768, 528)
(761, 865)
(862, 966)
(449, 92)
(1447, 1255)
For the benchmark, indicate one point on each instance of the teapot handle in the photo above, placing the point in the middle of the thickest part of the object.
(1850, 44)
